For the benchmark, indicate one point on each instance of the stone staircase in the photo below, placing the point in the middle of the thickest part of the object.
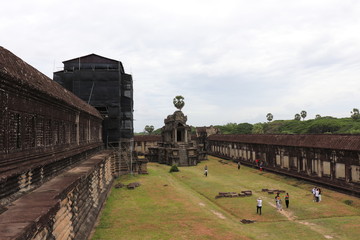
(183, 158)
(120, 162)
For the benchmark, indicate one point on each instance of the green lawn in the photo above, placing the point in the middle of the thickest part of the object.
(182, 205)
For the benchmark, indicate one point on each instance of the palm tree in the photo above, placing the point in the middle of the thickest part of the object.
(355, 114)
(303, 114)
(179, 102)
(297, 117)
(269, 117)
(149, 129)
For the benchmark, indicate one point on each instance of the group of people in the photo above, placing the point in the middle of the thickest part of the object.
(259, 164)
(316, 194)
(315, 191)
(278, 203)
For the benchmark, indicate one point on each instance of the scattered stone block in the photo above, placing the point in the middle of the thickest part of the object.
(234, 194)
(133, 185)
(272, 191)
(119, 185)
(247, 221)
(247, 192)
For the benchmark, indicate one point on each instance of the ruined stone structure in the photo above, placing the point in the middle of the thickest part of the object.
(142, 143)
(202, 134)
(46, 131)
(103, 83)
(332, 160)
(176, 147)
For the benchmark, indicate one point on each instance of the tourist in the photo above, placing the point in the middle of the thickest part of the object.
(278, 202)
(259, 206)
(287, 200)
(205, 170)
(313, 192)
(261, 166)
(319, 194)
(239, 165)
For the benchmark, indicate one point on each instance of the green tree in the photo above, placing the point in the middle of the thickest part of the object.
(258, 128)
(303, 114)
(244, 128)
(317, 116)
(297, 117)
(269, 117)
(149, 129)
(178, 102)
(355, 114)
(324, 126)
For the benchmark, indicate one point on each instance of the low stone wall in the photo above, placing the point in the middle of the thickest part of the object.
(66, 207)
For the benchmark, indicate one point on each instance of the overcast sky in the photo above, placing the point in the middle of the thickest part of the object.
(233, 61)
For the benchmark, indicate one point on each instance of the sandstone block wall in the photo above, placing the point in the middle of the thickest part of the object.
(64, 208)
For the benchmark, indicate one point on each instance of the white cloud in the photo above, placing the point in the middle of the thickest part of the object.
(233, 61)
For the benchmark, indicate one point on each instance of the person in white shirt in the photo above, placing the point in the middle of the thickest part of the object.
(258, 206)
(317, 195)
(313, 192)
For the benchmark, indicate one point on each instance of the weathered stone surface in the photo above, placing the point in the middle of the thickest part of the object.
(133, 185)
(65, 207)
(247, 221)
(119, 185)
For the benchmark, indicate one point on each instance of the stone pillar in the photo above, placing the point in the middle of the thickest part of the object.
(77, 121)
(143, 150)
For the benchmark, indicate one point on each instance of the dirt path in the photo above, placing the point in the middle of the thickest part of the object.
(291, 217)
(218, 214)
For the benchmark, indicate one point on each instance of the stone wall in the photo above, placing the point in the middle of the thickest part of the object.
(332, 160)
(54, 175)
(65, 207)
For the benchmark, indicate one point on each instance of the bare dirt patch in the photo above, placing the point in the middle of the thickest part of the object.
(219, 215)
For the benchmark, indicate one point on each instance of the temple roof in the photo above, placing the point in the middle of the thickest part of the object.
(147, 138)
(19, 73)
(326, 141)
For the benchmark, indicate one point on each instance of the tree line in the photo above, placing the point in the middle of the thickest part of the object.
(318, 125)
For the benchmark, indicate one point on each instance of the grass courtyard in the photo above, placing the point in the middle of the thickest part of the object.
(182, 205)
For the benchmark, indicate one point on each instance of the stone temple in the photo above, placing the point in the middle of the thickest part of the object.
(176, 146)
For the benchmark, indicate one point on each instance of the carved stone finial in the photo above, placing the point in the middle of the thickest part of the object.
(179, 102)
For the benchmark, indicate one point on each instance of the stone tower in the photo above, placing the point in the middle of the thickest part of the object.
(177, 147)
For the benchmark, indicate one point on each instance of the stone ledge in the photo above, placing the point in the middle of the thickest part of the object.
(35, 212)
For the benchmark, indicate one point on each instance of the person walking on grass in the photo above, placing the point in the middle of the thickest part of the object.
(259, 206)
(239, 165)
(287, 199)
(317, 195)
(314, 193)
(205, 170)
(278, 202)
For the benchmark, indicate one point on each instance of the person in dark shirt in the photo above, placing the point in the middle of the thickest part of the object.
(287, 200)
